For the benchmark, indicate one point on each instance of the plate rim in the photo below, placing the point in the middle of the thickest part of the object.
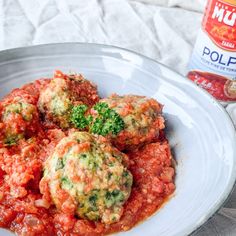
(232, 182)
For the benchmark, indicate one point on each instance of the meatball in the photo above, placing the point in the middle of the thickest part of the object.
(19, 118)
(88, 177)
(63, 92)
(142, 120)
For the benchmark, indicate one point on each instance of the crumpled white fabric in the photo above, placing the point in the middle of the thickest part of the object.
(164, 30)
(196, 5)
(154, 30)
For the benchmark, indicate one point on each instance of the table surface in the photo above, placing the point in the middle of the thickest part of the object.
(164, 30)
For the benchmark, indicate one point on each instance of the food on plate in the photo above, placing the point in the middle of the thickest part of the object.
(153, 173)
(141, 116)
(74, 164)
(19, 117)
(86, 176)
(128, 121)
(104, 121)
(78, 117)
(63, 92)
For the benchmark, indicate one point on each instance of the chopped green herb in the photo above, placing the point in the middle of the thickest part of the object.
(66, 183)
(78, 118)
(114, 197)
(93, 199)
(109, 176)
(13, 139)
(83, 156)
(107, 122)
(60, 164)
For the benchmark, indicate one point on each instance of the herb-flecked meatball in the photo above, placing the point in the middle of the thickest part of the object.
(142, 120)
(88, 177)
(19, 117)
(59, 96)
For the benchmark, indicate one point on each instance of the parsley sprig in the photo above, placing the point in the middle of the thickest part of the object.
(107, 120)
(78, 117)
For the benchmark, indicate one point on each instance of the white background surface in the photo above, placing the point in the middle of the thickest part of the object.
(164, 30)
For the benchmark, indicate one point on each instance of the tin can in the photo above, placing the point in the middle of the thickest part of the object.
(213, 62)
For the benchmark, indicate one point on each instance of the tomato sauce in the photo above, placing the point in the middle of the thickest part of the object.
(25, 212)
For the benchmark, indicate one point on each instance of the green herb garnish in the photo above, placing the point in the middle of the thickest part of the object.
(78, 117)
(107, 122)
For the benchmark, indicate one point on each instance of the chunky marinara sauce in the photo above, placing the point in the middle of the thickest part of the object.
(24, 211)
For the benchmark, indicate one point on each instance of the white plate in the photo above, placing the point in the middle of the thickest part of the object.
(201, 134)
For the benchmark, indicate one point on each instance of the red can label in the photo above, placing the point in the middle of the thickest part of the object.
(220, 23)
(218, 86)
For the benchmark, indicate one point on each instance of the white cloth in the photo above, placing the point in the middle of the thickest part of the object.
(164, 30)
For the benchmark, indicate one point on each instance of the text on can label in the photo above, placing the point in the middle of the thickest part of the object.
(220, 58)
